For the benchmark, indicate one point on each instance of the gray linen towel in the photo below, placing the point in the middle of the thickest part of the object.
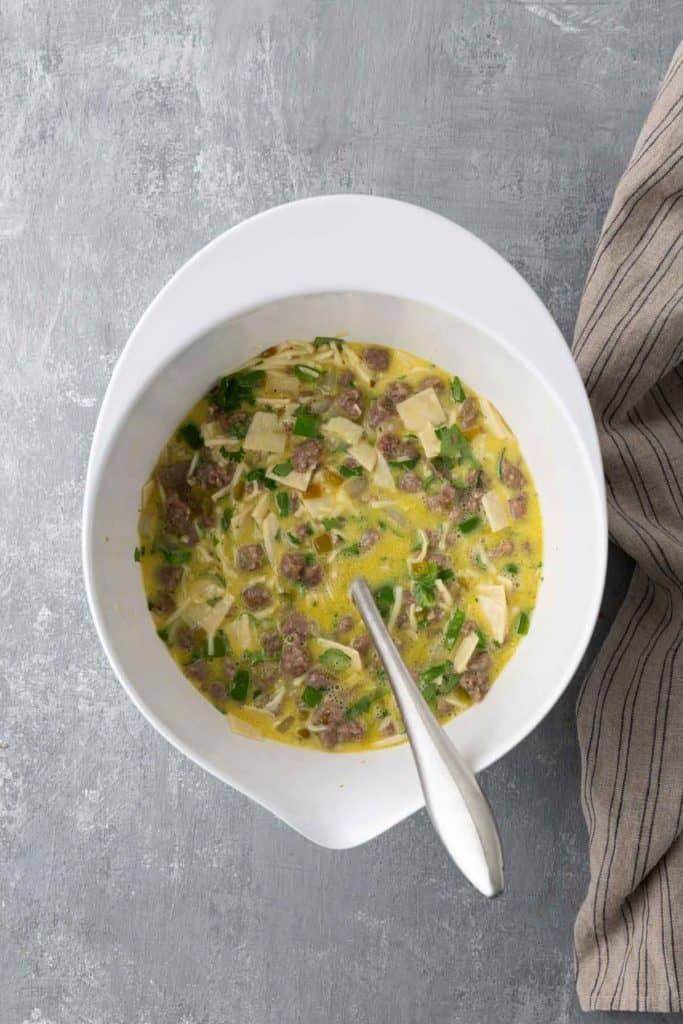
(628, 346)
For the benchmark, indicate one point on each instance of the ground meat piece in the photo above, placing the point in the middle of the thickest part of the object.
(207, 520)
(443, 501)
(518, 506)
(169, 576)
(307, 455)
(216, 690)
(235, 424)
(350, 731)
(469, 410)
(256, 596)
(346, 379)
(212, 477)
(250, 557)
(379, 412)
(393, 448)
(368, 540)
(512, 476)
(434, 614)
(294, 503)
(443, 707)
(177, 519)
(198, 670)
(330, 712)
(470, 500)
(350, 462)
(480, 663)
(302, 531)
(318, 680)
(265, 674)
(475, 685)
(163, 602)
(272, 643)
(431, 382)
(410, 482)
(377, 358)
(474, 476)
(348, 404)
(174, 477)
(312, 575)
(506, 547)
(363, 645)
(295, 627)
(292, 565)
(229, 669)
(295, 659)
(345, 624)
(397, 392)
(184, 638)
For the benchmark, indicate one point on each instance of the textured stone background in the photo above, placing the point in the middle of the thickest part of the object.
(135, 889)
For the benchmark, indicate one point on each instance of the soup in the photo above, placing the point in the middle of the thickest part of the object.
(314, 463)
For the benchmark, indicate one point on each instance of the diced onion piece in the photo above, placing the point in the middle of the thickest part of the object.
(465, 650)
(203, 616)
(265, 434)
(347, 430)
(420, 409)
(429, 441)
(364, 454)
(493, 603)
(241, 727)
(298, 481)
(496, 512)
(261, 508)
(269, 527)
(493, 419)
(241, 635)
(382, 475)
(350, 652)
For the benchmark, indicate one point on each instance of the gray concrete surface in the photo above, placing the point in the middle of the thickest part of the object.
(135, 889)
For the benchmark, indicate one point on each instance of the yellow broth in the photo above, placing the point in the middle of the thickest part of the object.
(235, 539)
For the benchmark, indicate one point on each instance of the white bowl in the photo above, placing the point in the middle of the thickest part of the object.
(379, 271)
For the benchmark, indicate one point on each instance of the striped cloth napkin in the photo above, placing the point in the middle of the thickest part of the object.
(629, 346)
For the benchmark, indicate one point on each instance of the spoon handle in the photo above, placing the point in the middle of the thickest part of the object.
(456, 804)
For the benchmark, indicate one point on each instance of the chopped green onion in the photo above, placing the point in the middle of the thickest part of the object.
(511, 568)
(191, 434)
(454, 444)
(481, 645)
(453, 629)
(259, 473)
(469, 524)
(442, 463)
(499, 464)
(212, 601)
(347, 471)
(236, 456)
(364, 704)
(457, 390)
(333, 523)
(317, 342)
(220, 645)
(232, 392)
(240, 685)
(434, 671)
(306, 424)
(163, 635)
(138, 553)
(283, 468)
(307, 373)
(294, 539)
(282, 502)
(311, 696)
(450, 681)
(523, 623)
(335, 660)
(430, 691)
(384, 599)
(351, 551)
(176, 557)
(403, 463)
(226, 518)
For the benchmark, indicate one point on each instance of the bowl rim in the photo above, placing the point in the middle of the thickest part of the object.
(116, 409)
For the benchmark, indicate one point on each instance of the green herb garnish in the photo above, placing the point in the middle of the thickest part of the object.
(351, 551)
(282, 502)
(283, 468)
(163, 635)
(453, 628)
(311, 696)
(454, 444)
(240, 685)
(523, 623)
(434, 671)
(468, 525)
(191, 434)
(336, 661)
(232, 392)
(236, 456)
(259, 473)
(424, 586)
(138, 553)
(403, 463)
(512, 568)
(306, 424)
(384, 599)
(347, 471)
(457, 390)
(175, 557)
(226, 518)
(307, 373)
(317, 342)
(364, 704)
(499, 464)
(333, 523)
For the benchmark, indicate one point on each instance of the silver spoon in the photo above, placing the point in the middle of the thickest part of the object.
(456, 804)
